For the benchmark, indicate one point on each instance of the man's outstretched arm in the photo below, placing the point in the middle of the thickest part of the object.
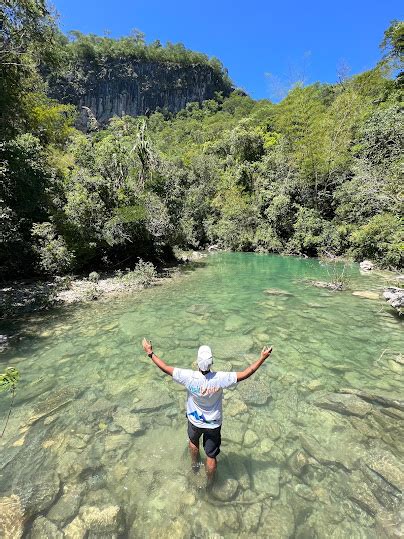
(148, 348)
(246, 373)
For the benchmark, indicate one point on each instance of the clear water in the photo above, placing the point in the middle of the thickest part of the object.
(83, 369)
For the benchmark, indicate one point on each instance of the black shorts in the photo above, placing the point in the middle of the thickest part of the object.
(211, 439)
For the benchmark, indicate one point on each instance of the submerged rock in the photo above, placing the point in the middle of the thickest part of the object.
(252, 517)
(250, 438)
(236, 407)
(344, 404)
(228, 518)
(199, 309)
(234, 322)
(38, 491)
(75, 530)
(153, 397)
(129, 422)
(357, 490)
(304, 492)
(117, 441)
(254, 392)
(54, 401)
(386, 494)
(298, 462)
(272, 430)
(266, 447)
(335, 286)
(323, 456)
(277, 292)
(66, 506)
(374, 399)
(42, 527)
(231, 347)
(390, 525)
(267, 481)
(225, 489)
(108, 520)
(238, 470)
(35, 389)
(11, 517)
(387, 466)
(393, 412)
(233, 430)
(367, 294)
(315, 385)
(395, 366)
(3, 342)
(277, 523)
(179, 529)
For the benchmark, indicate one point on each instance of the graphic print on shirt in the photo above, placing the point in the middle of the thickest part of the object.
(198, 417)
(205, 395)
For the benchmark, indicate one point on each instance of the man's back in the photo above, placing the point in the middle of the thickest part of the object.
(205, 395)
(204, 403)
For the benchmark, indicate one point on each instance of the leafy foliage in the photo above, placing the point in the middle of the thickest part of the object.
(143, 274)
(8, 382)
(318, 173)
(54, 256)
(9, 379)
(85, 47)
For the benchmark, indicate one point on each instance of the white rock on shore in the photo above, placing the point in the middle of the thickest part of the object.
(366, 265)
(394, 297)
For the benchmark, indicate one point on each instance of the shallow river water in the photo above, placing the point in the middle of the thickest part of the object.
(311, 444)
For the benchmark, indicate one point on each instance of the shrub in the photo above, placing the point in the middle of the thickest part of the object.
(54, 256)
(92, 293)
(94, 277)
(381, 239)
(143, 274)
(63, 283)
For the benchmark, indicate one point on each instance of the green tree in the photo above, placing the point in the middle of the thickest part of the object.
(381, 239)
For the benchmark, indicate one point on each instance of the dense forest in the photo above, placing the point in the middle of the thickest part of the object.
(319, 173)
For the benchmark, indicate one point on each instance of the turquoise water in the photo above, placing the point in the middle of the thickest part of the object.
(96, 445)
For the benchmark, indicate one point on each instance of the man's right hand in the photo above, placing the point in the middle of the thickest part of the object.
(265, 352)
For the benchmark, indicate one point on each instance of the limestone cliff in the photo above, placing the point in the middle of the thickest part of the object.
(135, 87)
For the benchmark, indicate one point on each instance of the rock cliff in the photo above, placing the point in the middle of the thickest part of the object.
(135, 87)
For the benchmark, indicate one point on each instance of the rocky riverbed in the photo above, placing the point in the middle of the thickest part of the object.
(312, 444)
(276, 479)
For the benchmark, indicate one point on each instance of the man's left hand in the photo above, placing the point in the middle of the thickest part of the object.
(147, 346)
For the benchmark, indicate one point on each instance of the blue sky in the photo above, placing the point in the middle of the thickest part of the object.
(265, 45)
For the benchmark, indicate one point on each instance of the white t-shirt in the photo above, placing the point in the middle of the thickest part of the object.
(205, 394)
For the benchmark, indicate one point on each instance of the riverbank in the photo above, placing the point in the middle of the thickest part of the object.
(23, 297)
(27, 296)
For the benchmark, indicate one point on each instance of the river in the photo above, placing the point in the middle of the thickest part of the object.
(96, 444)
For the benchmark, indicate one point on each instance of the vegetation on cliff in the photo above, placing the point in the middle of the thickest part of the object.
(78, 47)
(316, 173)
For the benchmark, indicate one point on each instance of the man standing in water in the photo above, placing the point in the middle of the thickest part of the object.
(204, 403)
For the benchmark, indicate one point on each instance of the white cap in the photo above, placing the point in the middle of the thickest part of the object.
(205, 358)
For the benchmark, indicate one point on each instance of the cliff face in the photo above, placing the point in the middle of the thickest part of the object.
(135, 87)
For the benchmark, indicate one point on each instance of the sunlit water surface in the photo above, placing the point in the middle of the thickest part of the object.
(96, 444)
